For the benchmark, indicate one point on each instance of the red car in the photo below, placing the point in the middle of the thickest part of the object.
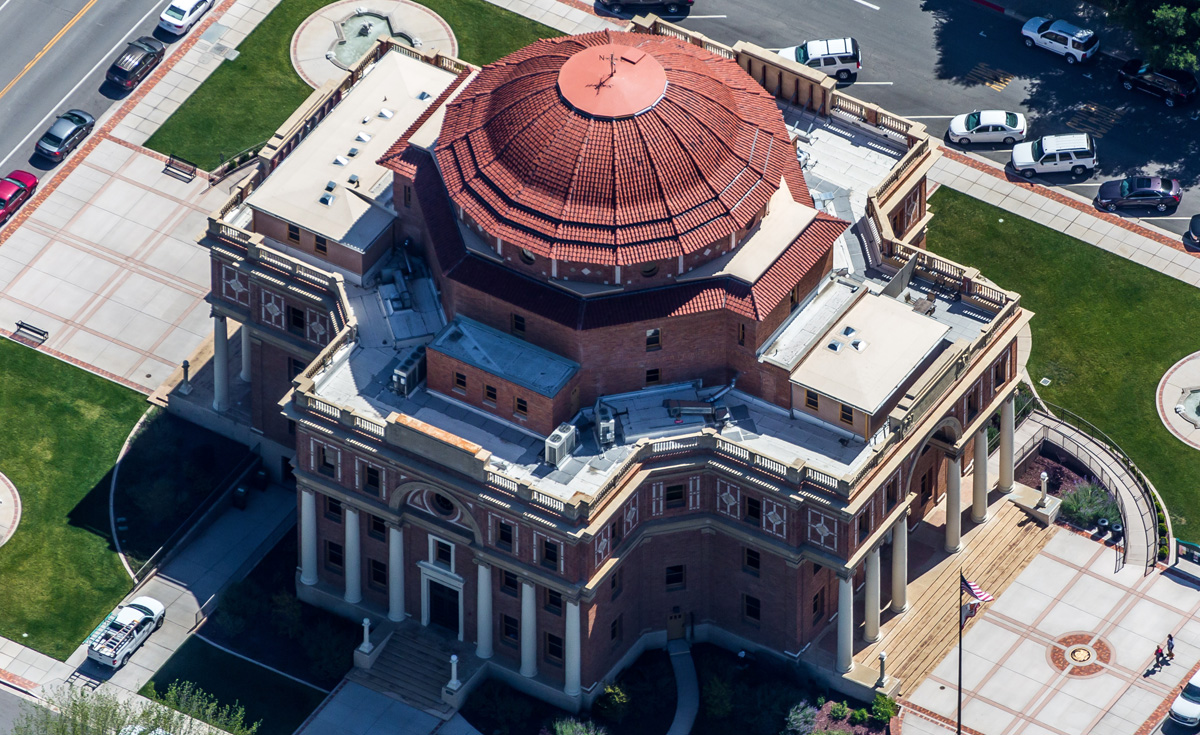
(15, 189)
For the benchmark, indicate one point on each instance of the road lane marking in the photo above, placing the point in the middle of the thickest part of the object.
(930, 117)
(872, 6)
(48, 46)
(4, 4)
(877, 84)
(697, 17)
(984, 74)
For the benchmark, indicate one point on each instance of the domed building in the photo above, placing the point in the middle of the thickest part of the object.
(567, 362)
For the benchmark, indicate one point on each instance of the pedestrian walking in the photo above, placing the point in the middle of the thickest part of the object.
(1170, 646)
(1158, 656)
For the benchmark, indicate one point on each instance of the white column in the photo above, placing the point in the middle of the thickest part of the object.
(483, 613)
(308, 537)
(953, 504)
(220, 364)
(871, 626)
(900, 565)
(979, 498)
(1007, 429)
(353, 556)
(395, 573)
(246, 352)
(529, 642)
(845, 628)
(571, 653)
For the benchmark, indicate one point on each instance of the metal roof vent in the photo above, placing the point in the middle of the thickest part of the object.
(330, 185)
(363, 136)
(352, 152)
(849, 331)
(858, 345)
(353, 179)
(424, 96)
(385, 113)
(835, 346)
(327, 199)
(341, 160)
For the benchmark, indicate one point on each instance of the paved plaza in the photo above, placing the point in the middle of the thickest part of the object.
(1020, 671)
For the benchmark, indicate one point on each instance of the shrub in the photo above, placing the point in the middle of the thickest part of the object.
(839, 710)
(884, 708)
(287, 615)
(801, 719)
(500, 710)
(613, 704)
(331, 650)
(572, 726)
(820, 701)
(1163, 553)
(860, 717)
(1087, 502)
(718, 698)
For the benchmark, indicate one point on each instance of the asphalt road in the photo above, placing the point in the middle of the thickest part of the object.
(932, 59)
(10, 710)
(55, 54)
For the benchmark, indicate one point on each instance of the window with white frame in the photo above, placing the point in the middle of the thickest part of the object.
(441, 553)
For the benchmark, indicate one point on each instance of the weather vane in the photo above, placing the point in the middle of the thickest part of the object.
(612, 72)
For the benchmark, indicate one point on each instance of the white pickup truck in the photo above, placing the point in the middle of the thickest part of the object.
(115, 640)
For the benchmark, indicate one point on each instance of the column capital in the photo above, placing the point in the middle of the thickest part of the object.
(481, 562)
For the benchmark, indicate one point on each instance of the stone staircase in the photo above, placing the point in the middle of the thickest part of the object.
(414, 666)
(993, 555)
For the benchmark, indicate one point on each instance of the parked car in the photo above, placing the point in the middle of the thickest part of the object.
(837, 57)
(1175, 86)
(674, 7)
(15, 189)
(124, 630)
(988, 126)
(136, 62)
(1191, 238)
(181, 15)
(1054, 154)
(1139, 191)
(1186, 707)
(66, 132)
(1059, 36)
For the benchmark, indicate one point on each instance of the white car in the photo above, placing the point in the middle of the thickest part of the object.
(1059, 36)
(1186, 708)
(124, 630)
(988, 126)
(837, 57)
(181, 15)
(1055, 154)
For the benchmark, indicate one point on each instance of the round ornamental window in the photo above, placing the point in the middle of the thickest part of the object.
(527, 257)
(442, 504)
(649, 270)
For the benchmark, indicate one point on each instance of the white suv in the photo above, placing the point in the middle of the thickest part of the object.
(1062, 38)
(1054, 154)
(837, 57)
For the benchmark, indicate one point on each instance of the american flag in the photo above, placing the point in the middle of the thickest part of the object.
(974, 590)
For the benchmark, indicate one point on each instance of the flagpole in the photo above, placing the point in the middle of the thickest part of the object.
(960, 651)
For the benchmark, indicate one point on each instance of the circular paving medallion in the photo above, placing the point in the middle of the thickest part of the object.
(1079, 654)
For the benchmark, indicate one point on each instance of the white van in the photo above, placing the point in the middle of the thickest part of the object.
(1075, 153)
(837, 57)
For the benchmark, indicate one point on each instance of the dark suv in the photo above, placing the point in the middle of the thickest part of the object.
(1176, 87)
(136, 62)
(674, 7)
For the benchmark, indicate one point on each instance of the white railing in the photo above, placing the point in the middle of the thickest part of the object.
(552, 503)
(770, 465)
(368, 426)
(733, 450)
(674, 445)
(503, 482)
(818, 477)
(326, 408)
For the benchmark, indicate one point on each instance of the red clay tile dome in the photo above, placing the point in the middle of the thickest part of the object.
(615, 148)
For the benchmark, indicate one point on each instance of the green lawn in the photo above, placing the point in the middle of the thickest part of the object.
(61, 429)
(245, 100)
(1105, 332)
(278, 702)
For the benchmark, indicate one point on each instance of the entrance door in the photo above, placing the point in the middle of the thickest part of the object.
(443, 606)
(674, 626)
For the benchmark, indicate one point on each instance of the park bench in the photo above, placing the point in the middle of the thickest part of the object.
(180, 167)
(40, 334)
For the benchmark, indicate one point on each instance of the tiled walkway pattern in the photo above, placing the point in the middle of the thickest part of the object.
(1010, 684)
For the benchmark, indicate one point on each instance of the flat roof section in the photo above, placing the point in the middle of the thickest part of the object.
(314, 186)
(504, 356)
(870, 351)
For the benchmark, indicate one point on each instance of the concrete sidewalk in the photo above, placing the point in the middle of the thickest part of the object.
(353, 709)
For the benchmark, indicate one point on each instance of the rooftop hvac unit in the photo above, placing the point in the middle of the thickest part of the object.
(560, 444)
(409, 373)
(606, 426)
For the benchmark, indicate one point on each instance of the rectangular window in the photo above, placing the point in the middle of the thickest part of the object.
(293, 233)
(741, 334)
(460, 382)
(1000, 374)
(675, 496)
(326, 462)
(377, 575)
(333, 509)
(489, 395)
(864, 526)
(371, 480)
(322, 245)
(652, 376)
(549, 554)
(520, 407)
(443, 553)
(617, 531)
(811, 399)
(509, 582)
(653, 340)
(753, 511)
(296, 321)
(751, 561)
(816, 569)
(377, 527)
(616, 629)
(553, 602)
(518, 326)
(334, 558)
(295, 367)
(847, 414)
(751, 608)
(554, 648)
(676, 577)
(510, 628)
(818, 607)
(504, 537)
(408, 196)
(892, 493)
(291, 428)
(614, 583)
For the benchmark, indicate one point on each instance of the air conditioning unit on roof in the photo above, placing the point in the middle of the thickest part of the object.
(560, 444)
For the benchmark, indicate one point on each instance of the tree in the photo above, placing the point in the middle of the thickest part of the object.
(1167, 33)
(183, 710)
